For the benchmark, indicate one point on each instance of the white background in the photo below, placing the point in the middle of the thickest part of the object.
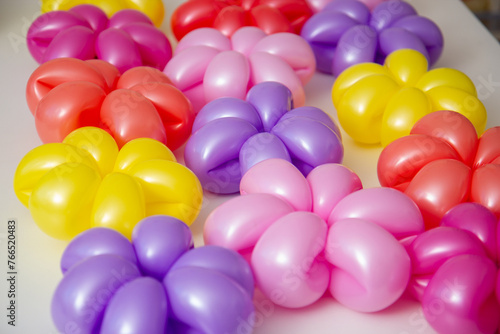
(468, 47)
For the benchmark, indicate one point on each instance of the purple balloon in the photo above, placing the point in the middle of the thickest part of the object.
(344, 33)
(95, 241)
(158, 242)
(138, 307)
(82, 295)
(208, 301)
(231, 135)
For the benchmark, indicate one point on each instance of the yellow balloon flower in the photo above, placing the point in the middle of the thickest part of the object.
(378, 104)
(152, 8)
(85, 181)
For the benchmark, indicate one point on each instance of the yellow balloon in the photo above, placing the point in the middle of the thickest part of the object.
(378, 103)
(152, 8)
(85, 182)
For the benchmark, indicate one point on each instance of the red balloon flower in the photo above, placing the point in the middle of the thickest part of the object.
(443, 163)
(227, 16)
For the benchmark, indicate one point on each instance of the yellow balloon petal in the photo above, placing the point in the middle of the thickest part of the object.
(139, 150)
(446, 77)
(119, 204)
(98, 143)
(405, 108)
(406, 66)
(352, 75)
(449, 98)
(169, 189)
(362, 106)
(61, 202)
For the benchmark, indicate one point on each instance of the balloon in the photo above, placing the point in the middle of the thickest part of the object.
(441, 164)
(208, 65)
(86, 182)
(345, 33)
(379, 104)
(317, 5)
(203, 290)
(65, 94)
(152, 8)
(128, 39)
(231, 135)
(279, 225)
(272, 16)
(431, 249)
(460, 298)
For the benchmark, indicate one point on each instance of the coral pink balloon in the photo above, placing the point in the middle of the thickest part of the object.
(207, 65)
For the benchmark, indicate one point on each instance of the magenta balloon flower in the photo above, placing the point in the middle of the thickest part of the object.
(231, 135)
(346, 32)
(208, 65)
(127, 39)
(306, 235)
(157, 284)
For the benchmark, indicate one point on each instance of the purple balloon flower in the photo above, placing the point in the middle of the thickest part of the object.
(156, 284)
(232, 135)
(128, 39)
(345, 33)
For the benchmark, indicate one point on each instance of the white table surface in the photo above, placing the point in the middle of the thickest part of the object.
(469, 47)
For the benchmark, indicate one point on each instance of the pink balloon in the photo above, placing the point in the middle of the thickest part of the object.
(460, 298)
(370, 267)
(285, 57)
(279, 222)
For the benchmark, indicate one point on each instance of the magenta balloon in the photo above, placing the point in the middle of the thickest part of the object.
(85, 290)
(377, 205)
(96, 241)
(139, 306)
(460, 298)
(370, 267)
(230, 136)
(476, 219)
(158, 242)
(126, 40)
(434, 247)
(345, 33)
(208, 301)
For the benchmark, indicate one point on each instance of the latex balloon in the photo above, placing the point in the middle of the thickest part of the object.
(272, 16)
(65, 94)
(442, 164)
(207, 65)
(231, 135)
(317, 5)
(346, 33)
(86, 182)
(203, 290)
(126, 40)
(152, 8)
(378, 104)
(279, 225)
(431, 249)
(460, 298)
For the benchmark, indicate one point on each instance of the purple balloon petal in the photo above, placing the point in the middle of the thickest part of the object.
(357, 45)
(261, 147)
(158, 242)
(138, 307)
(315, 114)
(388, 12)
(95, 241)
(393, 39)
(356, 10)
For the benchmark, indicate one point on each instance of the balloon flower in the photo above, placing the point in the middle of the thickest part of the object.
(317, 5)
(304, 236)
(454, 273)
(378, 103)
(85, 181)
(345, 33)
(152, 8)
(232, 135)
(271, 16)
(207, 65)
(127, 39)
(157, 284)
(442, 163)
(65, 94)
